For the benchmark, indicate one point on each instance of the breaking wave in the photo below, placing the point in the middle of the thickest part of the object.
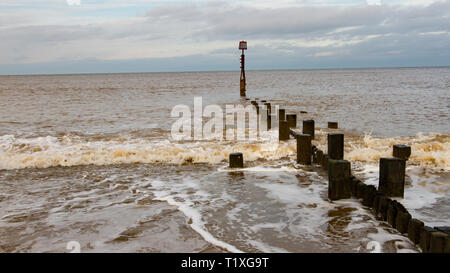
(43, 152)
(428, 150)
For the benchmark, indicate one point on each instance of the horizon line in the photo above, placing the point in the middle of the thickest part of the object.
(234, 70)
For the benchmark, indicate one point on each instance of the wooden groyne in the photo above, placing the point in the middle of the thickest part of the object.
(343, 185)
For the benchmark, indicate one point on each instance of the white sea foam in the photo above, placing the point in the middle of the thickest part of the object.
(275, 226)
(402, 243)
(260, 169)
(187, 208)
(266, 248)
(427, 150)
(421, 192)
(42, 152)
(292, 194)
(431, 150)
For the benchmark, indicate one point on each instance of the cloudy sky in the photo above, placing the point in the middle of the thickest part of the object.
(72, 36)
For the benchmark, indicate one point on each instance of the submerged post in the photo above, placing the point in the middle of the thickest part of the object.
(304, 149)
(332, 125)
(339, 176)
(392, 177)
(401, 151)
(281, 114)
(283, 130)
(336, 146)
(292, 120)
(308, 127)
(236, 160)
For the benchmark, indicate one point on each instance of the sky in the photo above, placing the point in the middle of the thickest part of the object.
(112, 36)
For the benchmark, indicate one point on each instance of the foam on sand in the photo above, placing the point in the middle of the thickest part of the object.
(196, 222)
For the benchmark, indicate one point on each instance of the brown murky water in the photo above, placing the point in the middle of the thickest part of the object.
(89, 158)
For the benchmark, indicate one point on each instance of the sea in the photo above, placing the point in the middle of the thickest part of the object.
(89, 160)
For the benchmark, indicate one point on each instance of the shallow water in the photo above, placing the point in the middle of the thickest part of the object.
(89, 158)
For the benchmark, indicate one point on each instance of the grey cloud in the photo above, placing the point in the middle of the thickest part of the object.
(227, 21)
(386, 35)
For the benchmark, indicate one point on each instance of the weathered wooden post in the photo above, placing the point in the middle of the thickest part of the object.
(236, 160)
(392, 214)
(369, 195)
(401, 151)
(332, 125)
(304, 149)
(336, 146)
(292, 120)
(308, 127)
(446, 231)
(392, 177)
(281, 114)
(402, 221)
(360, 189)
(438, 242)
(425, 238)
(319, 157)
(269, 119)
(382, 208)
(414, 228)
(353, 182)
(283, 131)
(325, 161)
(338, 179)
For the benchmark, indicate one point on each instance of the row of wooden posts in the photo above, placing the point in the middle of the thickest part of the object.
(343, 185)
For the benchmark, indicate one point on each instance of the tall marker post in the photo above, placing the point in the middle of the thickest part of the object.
(243, 46)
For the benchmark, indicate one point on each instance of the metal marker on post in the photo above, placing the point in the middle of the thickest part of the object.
(243, 46)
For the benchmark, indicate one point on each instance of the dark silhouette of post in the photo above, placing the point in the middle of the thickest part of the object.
(243, 46)
(292, 120)
(283, 130)
(281, 114)
(304, 149)
(401, 151)
(336, 146)
(308, 127)
(332, 125)
(236, 160)
(392, 176)
(339, 176)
